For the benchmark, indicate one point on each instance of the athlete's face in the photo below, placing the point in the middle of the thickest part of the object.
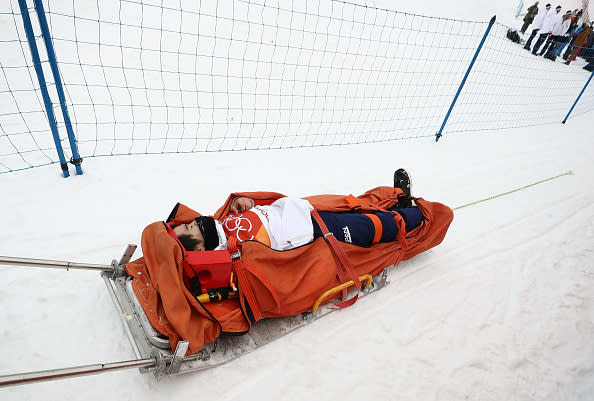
(192, 230)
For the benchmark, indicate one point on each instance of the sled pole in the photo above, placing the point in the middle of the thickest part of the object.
(12, 261)
(55, 374)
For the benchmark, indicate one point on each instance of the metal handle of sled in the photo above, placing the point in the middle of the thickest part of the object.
(12, 261)
(367, 278)
(55, 374)
(115, 267)
(163, 365)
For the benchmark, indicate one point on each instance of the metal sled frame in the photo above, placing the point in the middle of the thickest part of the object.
(147, 342)
(151, 348)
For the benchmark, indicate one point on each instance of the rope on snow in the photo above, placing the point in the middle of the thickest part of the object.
(514, 190)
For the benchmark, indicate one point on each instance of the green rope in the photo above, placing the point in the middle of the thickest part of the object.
(515, 190)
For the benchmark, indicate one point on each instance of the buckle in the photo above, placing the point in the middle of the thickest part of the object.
(236, 255)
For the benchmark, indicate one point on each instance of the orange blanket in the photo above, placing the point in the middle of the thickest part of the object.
(298, 276)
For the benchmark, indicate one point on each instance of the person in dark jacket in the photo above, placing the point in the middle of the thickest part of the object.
(570, 36)
(529, 17)
(588, 52)
(579, 41)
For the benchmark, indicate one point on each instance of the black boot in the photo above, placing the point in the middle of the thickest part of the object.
(550, 56)
(402, 181)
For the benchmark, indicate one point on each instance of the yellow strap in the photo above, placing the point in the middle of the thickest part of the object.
(340, 287)
(205, 298)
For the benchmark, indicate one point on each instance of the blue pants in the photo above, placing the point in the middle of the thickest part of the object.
(541, 38)
(561, 45)
(532, 35)
(358, 229)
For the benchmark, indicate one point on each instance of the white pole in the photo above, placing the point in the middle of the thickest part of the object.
(520, 8)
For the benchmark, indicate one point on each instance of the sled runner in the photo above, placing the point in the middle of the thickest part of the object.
(174, 328)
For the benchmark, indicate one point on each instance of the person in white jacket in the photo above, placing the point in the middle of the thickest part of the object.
(557, 36)
(552, 18)
(537, 24)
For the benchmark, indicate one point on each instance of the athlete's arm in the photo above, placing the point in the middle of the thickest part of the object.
(241, 204)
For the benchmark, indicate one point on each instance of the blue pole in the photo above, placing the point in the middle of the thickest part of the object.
(76, 159)
(438, 135)
(578, 98)
(42, 86)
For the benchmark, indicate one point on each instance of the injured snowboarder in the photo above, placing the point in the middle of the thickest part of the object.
(277, 256)
(287, 223)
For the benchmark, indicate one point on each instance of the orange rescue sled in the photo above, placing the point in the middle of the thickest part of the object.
(270, 283)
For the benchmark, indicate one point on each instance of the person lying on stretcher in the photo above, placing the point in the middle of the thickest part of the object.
(275, 257)
(287, 223)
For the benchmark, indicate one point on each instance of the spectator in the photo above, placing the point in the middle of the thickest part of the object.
(529, 17)
(537, 25)
(588, 52)
(557, 36)
(574, 30)
(579, 41)
(574, 35)
(548, 24)
(578, 16)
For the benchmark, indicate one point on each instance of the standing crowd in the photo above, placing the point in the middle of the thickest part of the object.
(555, 31)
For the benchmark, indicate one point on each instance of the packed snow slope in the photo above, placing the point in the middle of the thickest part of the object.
(503, 309)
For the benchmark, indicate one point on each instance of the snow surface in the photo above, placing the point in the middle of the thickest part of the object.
(503, 309)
